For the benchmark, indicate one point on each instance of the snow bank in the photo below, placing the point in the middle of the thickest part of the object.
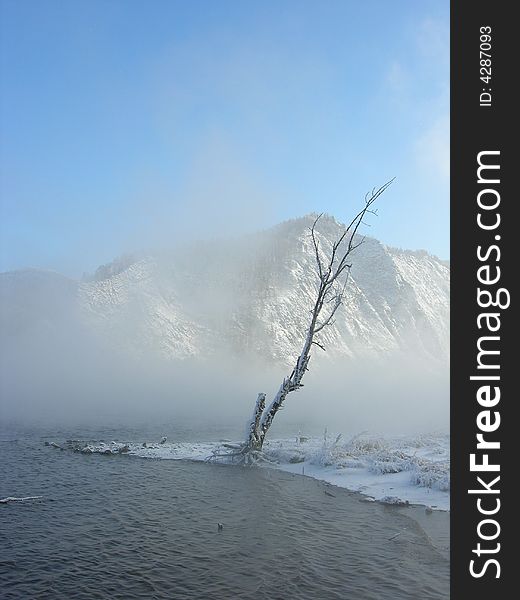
(401, 469)
(393, 470)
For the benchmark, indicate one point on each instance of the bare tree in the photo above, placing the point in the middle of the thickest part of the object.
(333, 273)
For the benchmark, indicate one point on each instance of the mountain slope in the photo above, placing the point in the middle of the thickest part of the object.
(252, 296)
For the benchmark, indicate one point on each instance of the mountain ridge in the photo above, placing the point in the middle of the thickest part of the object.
(251, 295)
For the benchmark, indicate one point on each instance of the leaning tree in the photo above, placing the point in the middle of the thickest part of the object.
(333, 271)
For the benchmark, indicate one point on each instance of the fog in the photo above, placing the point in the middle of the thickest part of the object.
(70, 378)
(57, 368)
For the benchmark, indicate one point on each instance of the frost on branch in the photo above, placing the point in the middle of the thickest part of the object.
(332, 273)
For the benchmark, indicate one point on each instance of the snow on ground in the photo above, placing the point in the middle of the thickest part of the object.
(393, 470)
(413, 470)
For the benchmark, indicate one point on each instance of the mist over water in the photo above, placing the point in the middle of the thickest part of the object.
(69, 377)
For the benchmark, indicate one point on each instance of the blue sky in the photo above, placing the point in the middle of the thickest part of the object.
(127, 125)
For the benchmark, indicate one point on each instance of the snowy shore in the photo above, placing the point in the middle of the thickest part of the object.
(397, 470)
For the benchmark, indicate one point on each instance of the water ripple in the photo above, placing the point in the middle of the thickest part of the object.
(126, 528)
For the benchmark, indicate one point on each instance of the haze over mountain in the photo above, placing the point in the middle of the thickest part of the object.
(242, 301)
(245, 296)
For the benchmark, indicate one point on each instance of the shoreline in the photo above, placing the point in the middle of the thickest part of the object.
(435, 523)
(319, 474)
(436, 526)
(388, 488)
(411, 469)
(389, 475)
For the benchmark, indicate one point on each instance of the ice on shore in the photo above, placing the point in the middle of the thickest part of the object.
(393, 470)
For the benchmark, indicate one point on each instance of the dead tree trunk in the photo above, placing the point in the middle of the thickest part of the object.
(255, 442)
(333, 274)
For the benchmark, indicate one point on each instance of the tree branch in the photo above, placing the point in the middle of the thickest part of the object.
(329, 280)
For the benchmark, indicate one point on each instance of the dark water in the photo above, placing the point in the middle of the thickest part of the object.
(123, 527)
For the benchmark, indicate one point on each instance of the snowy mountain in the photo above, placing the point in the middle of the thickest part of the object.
(248, 296)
